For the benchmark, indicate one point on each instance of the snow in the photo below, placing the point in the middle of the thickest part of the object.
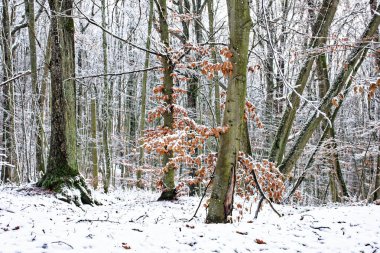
(33, 221)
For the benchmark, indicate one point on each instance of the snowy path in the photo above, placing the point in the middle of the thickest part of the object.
(30, 222)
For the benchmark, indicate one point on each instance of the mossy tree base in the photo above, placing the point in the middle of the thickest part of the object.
(168, 195)
(69, 189)
(216, 215)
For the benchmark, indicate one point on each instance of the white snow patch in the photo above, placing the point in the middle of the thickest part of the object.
(31, 222)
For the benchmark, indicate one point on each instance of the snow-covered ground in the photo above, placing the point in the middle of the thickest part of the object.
(34, 222)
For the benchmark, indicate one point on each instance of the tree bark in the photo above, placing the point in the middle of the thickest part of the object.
(373, 4)
(62, 173)
(8, 98)
(94, 146)
(222, 196)
(107, 113)
(169, 191)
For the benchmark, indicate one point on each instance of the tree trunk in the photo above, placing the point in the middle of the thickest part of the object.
(169, 191)
(373, 4)
(29, 13)
(143, 95)
(336, 165)
(221, 201)
(342, 81)
(320, 30)
(107, 114)
(336, 172)
(10, 163)
(94, 146)
(62, 173)
(41, 138)
(376, 195)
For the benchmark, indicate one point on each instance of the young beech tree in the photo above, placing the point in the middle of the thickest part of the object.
(62, 173)
(169, 191)
(221, 202)
(182, 140)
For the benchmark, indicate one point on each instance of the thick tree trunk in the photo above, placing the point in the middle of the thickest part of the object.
(62, 171)
(221, 201)
(342, 81)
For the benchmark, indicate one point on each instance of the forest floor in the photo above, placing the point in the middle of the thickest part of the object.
(33, 221)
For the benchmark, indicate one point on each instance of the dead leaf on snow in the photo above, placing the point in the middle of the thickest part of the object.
(259, 241)
(125, 245)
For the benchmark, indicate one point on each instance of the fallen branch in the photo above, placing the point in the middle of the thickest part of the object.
(59, 242)
(98, 220)
(303, 216)
(142, 216)
(242, 233)
(319, 228)
(6, 210)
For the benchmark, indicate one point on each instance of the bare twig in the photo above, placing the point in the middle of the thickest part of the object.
(59, 242)
(204, 194)
(319, 228)
(98, 220)
(91, 21)
(16, 77)
(6, 210)
(118, 74)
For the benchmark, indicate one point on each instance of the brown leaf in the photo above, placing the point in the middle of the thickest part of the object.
(259, 241)
(125, 245)
(190, 226)
(335, 102)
